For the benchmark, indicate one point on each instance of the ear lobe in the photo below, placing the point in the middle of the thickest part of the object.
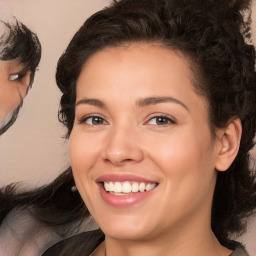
(230, 141)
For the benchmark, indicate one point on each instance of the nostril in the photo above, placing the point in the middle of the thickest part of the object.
(127, 160)
(119, 161)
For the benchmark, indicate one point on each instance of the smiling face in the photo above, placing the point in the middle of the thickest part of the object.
(140, 126)
(14, 84)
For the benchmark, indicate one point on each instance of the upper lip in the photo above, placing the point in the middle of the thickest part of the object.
(123, 178)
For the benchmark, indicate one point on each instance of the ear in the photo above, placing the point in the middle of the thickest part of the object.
(229, 138)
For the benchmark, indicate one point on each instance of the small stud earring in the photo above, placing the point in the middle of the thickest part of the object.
(74, 188)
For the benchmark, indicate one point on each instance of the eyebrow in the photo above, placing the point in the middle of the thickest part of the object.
(157, 100)
(140, 102)
(93, 102)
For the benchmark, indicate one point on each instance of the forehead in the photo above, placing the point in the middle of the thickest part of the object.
(135, 51)
(143, 64)
(127, 73)
(10, 66)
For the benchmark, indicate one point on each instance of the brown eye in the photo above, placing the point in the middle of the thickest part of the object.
(93, 120)
(160, 120)
(97, 120)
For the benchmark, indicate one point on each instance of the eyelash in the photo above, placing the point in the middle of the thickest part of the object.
(166, 119)
(86, 118)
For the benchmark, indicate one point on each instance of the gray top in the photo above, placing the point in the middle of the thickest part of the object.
(22, 235)
(240, 251)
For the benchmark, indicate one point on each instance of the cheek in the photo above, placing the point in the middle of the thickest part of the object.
(84, 152)
(184, 157)
(80, 157)
(9, 101)
(81, 152)
(187, 172)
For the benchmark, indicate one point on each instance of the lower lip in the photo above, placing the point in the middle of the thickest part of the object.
(124, 200)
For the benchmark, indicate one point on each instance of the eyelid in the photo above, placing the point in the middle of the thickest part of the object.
(163, 115)
(82, 119)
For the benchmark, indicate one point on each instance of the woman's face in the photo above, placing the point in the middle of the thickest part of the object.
(142, 132)
(14, 83)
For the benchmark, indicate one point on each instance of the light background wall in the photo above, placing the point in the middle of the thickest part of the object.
(33, 150)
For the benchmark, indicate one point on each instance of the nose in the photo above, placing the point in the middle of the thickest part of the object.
(122, 147)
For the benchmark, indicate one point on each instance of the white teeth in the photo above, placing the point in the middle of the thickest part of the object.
(142, 187)
(127, 187)
(135, 187)
(111, 187)
(150, 186)
(118, 187)
(106, 186)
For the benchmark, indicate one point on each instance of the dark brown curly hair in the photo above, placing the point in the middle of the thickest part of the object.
(215, 37)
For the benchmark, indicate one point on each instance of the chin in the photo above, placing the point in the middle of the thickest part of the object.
(122, 234)
(127, 228)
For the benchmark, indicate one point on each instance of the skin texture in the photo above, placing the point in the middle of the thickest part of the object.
(179, 152)
(14, 84)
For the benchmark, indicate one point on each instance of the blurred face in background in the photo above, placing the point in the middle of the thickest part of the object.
(14, 85)
(20, 54)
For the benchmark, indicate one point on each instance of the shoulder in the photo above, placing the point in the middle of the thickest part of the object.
(21, 233)
(239, 251)
(81, 244)
(238, 248)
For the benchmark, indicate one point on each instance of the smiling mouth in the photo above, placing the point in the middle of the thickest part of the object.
(127, 187)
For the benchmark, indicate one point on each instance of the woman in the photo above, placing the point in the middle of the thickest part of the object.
(159, 101)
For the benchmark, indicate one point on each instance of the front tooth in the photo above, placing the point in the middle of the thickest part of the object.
(106, 186)
(111, 187)
(118, 187)
(127, 188)
(135, 187)
(142, 187)
(150, 186)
